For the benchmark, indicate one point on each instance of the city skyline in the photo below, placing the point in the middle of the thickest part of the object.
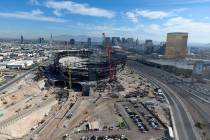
(142, 19)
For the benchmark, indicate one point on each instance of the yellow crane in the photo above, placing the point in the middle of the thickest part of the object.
(69, 74)
(68, 65)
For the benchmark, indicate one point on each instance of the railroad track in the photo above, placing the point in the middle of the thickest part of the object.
(182, 114)
(204, 97)
(53, 123)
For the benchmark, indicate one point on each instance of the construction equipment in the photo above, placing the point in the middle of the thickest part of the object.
(109, 55)
(4, 101)
(68, 64)
(69, 76)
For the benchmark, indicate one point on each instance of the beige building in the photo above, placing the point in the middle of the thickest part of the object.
(176, 45)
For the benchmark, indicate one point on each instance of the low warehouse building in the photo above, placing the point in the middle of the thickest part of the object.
(20, 64)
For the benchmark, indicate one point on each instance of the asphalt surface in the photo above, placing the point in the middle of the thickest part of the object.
(17, 78)
(189, 95)
(132, 133)
(184, 124)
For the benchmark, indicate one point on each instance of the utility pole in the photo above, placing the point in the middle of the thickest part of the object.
(51, 51)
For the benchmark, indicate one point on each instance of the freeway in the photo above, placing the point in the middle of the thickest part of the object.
(183, 120)
(198, 91)
(17, 78)
(190, 95)
(22, 76)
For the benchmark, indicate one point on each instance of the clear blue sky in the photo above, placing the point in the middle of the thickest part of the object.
(145, 19)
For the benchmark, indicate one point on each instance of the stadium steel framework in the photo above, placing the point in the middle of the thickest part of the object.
(95, 68)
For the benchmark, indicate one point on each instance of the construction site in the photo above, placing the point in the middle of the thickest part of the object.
(84, 94)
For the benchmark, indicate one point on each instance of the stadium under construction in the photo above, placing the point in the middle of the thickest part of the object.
(80, 68)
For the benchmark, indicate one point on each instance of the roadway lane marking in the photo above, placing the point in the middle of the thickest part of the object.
(175, 126)
(190, 119)
(201, 109)
(180, 118)
(179, 115)
(180, 101)
(185, 109)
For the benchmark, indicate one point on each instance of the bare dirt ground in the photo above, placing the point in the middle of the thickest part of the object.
(24, 125)
(24, 105)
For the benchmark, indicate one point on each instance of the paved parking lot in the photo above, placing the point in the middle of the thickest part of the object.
(139, 119)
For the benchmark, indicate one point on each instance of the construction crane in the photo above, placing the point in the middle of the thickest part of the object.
(69, 71)
(69, 75)
(68, 65)
(109, 55)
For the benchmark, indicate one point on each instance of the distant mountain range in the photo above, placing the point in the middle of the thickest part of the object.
(199, 45)
(99, 39)
(84, 38)
(77, 38)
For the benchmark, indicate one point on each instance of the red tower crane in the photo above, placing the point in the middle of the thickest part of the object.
(109, 54)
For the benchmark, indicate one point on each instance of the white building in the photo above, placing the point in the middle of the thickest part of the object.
(20, 64)
(1, 58)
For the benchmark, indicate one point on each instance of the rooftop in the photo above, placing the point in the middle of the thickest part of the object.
(183, 64)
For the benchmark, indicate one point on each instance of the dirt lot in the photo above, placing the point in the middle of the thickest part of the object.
(23, 105)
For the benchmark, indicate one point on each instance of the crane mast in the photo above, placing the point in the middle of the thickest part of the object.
(108, 49)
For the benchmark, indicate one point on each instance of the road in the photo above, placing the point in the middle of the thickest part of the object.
(21, 76)
(183, 120)
(48, 129)
(190, 94)
(11, 120)
(132, 133)
(17, 78)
